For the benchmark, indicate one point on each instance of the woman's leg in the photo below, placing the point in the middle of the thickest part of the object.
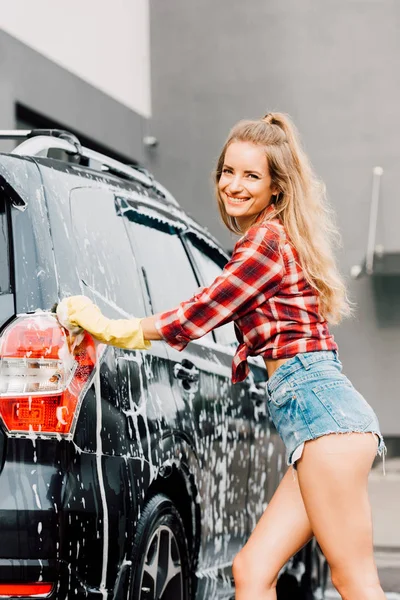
(283, 529)
(333, 474)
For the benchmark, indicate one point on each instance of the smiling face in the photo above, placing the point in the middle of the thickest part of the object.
(245, 185)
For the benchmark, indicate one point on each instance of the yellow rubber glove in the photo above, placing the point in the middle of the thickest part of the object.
(79, 311)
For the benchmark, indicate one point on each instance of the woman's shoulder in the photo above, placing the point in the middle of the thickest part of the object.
(271, 230)
(264, 239)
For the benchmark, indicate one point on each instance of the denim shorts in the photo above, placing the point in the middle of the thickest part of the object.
(308, 396)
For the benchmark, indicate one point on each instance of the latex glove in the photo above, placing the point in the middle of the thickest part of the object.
(79, 312)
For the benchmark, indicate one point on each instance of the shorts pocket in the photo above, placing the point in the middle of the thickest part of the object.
(345, 404)
(282, 394)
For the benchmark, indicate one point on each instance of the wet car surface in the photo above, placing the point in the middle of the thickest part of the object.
(133, 474)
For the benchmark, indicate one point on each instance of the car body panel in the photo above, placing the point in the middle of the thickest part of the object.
(69, 507)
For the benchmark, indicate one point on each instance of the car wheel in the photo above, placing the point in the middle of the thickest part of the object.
(161, 561)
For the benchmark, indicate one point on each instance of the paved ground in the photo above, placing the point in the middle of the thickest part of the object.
(330, 594)
(385, 501)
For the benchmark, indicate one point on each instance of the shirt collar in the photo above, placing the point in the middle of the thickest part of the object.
(267, 214)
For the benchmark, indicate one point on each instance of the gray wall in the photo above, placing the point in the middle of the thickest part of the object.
(334, 66)
(30, 79)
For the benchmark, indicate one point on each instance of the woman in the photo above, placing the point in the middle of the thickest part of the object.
(281, 287)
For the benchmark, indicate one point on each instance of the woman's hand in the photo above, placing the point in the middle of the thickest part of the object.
(77, 312)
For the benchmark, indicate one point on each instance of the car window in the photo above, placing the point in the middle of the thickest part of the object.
(104, 254)
(4, 252)
(210, 264)
(6, 296)
(167, 269)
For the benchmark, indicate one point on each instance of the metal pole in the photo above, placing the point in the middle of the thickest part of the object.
(373, 219)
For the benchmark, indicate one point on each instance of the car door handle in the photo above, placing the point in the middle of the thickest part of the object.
(186, 371)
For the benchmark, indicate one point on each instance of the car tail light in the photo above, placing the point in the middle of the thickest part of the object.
(42, 377)
(15, 590)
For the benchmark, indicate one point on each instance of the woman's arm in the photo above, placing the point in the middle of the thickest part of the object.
(148, 327)
(253, 274)
(148, 323)
(79, 312)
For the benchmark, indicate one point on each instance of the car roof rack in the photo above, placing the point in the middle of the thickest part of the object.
(37, 142)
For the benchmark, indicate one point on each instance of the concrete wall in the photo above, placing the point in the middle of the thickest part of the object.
(54, 95)
(333, 66)
(106, 45)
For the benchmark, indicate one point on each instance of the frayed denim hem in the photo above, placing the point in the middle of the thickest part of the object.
(298, 451)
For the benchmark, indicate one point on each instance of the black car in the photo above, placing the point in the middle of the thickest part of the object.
(141, 478)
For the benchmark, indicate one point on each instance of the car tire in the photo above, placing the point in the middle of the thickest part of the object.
(160, 557)
(288, 588)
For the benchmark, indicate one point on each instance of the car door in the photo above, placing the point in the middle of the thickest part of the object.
(200, 382)
(208, 262)
(110, 275)
(268, 451)
(254, 447)
(137, 407)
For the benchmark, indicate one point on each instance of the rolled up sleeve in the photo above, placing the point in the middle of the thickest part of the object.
(253, 274)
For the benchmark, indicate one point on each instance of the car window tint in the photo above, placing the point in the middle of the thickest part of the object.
(169, 274)
(6, 297)
(4, 254)
(104, 254)
(210, 264)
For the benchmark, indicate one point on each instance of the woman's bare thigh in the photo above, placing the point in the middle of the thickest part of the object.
(333, 478)
(282, 530)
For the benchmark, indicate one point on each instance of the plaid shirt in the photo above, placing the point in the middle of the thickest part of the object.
(263, 290)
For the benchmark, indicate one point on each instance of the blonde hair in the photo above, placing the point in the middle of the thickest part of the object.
(300, 205)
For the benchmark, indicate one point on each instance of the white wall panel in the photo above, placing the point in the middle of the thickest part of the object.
(104, 43)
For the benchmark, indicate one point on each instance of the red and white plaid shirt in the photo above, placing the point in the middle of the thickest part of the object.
(263, 290)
